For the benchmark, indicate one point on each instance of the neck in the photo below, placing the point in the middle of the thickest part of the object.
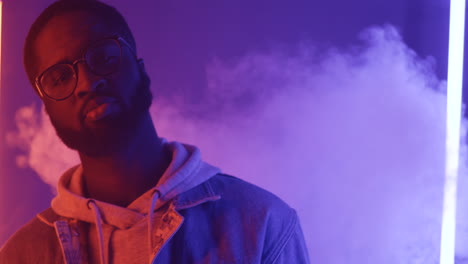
(121, 177)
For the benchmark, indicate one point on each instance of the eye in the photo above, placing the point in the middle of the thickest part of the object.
(58, 76)
(108, 59)
(62, 78)
(104, 57)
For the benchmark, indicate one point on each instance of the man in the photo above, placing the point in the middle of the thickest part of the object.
(135, 198)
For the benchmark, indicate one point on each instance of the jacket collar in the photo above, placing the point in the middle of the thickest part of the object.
(197, 195)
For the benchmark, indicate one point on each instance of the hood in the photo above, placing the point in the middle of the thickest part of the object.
(185, 171)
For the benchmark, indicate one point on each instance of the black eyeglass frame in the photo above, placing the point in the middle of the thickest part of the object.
(116, 38)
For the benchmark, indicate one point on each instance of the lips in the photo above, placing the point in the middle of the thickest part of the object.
(100, 107)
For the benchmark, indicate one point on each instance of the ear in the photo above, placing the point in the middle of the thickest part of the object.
(141, 63)
(141, 66)
(143, 73)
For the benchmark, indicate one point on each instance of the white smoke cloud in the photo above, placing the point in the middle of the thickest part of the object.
(44, 152)
(353, 139)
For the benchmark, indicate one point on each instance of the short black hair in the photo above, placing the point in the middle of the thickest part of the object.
(104, 11)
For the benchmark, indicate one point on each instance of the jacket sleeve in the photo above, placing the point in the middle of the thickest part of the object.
(33, 243)
(291, 247)
(295, 249)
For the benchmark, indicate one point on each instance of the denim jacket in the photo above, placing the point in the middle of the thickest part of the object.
(223, 220)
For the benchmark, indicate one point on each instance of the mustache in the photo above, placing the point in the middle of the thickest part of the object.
(95, 99)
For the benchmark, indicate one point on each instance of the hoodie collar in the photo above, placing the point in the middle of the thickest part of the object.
(186, 172)
(198, 195)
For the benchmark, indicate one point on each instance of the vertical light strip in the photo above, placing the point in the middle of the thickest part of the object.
(454, 110)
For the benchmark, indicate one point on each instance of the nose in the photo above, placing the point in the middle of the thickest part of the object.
(88, 82)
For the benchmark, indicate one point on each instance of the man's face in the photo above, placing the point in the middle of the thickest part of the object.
(102, 114)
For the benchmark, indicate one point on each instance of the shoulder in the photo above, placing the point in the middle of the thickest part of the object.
(258, 205)
(274, 220)
(242, 193)
(32, 243)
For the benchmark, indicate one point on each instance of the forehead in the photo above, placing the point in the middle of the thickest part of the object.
(64, 37)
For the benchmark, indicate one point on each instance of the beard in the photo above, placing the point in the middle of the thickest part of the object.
(115, 132)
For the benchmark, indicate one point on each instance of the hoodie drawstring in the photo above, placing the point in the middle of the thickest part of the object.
(92, 205)
(155, 197)
(97, 215)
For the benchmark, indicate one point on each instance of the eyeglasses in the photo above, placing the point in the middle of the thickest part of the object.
(103, 57)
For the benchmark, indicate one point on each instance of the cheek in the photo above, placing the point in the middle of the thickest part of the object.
(128, 81)
(63, 114)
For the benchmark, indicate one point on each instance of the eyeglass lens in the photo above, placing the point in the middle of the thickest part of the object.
(102, 58)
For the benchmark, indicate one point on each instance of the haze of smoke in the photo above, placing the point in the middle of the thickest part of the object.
(353, 139)
(44, 152)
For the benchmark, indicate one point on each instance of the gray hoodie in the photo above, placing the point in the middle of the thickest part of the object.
(116, 228)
